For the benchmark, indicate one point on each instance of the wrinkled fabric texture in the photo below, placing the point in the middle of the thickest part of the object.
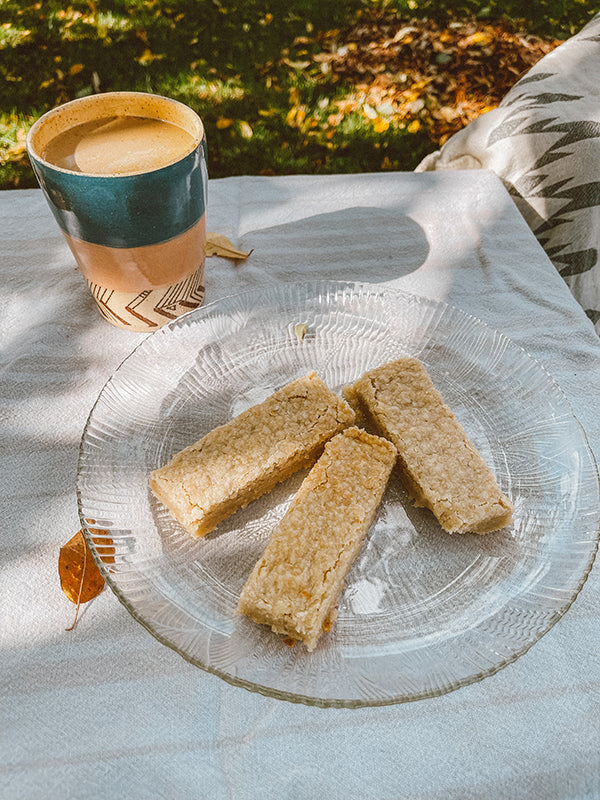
(106, 711)
(543, 141)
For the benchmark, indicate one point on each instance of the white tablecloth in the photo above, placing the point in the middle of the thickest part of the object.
(107, 711)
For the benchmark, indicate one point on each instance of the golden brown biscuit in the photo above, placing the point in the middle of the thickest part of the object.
(441, 467)
(241, 460)
(295, 585)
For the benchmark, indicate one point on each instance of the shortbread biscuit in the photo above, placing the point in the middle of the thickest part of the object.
(245, 458)
(295, 585)
(441, 467)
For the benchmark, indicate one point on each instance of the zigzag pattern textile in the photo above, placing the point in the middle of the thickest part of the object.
(543, 141)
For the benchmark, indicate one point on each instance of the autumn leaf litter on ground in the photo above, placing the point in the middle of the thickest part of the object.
(418, 74)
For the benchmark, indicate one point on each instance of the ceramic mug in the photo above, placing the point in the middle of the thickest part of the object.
(133, 210)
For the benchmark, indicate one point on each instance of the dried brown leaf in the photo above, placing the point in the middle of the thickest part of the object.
(219, 245)
(80, 578)
(300, 330)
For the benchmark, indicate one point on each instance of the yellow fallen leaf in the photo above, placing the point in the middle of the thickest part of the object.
(219, 245)
(246, 130)
(295, 116)
(224, 122)
(148, 57)
(481, 38)
(380, 125)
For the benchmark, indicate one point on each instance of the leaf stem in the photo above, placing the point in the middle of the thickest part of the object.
(80, 590)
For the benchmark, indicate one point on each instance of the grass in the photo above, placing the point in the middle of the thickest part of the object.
(257, 71)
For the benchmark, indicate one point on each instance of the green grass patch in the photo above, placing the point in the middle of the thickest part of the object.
(247, 67)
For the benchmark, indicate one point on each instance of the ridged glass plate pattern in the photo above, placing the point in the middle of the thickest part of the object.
(422, 612)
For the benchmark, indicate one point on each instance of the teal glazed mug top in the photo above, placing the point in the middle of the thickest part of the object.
(125, 176)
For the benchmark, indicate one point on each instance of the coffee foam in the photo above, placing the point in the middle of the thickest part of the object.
(111, 105)
(119, 145)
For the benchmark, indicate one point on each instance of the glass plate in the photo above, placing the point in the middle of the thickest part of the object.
(422, 612)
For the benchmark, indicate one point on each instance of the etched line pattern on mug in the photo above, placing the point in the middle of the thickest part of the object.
(119, 145)
(151, 307)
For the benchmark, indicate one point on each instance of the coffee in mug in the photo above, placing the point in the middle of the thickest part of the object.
(118, 145)
(125, 176)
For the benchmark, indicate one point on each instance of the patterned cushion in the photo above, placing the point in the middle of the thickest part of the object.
(543, 141)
